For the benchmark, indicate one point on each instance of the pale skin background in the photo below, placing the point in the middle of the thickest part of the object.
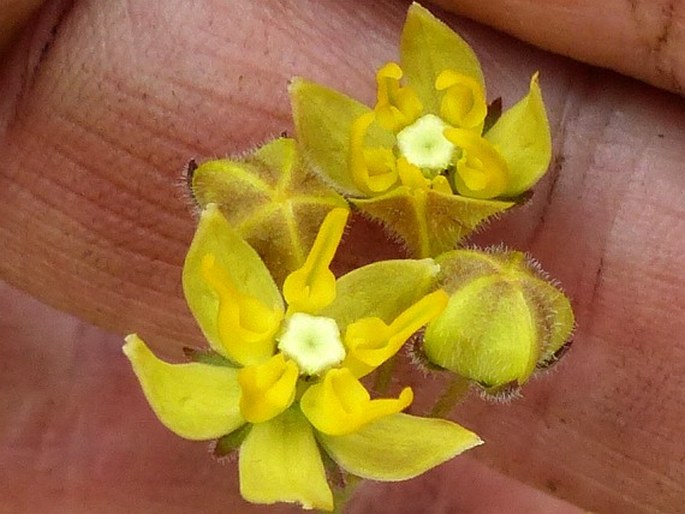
(101, 105)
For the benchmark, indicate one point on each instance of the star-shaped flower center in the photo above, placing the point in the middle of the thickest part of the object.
(313, 342)
(424, 145)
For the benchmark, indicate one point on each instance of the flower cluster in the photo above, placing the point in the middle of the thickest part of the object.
(283, 384)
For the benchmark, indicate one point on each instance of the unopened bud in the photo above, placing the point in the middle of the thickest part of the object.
(271, 197)
(502, 321)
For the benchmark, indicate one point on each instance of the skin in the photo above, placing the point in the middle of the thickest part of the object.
(14, 14)
(75, 426)
(640, 38)
(104, 104)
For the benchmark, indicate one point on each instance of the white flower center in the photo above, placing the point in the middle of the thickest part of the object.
(423, 144)
(313, 342)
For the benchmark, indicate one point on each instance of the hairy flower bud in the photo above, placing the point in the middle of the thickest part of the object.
(271, 197)
(502, 321)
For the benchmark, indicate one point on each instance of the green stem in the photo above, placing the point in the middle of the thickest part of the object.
(453, 394)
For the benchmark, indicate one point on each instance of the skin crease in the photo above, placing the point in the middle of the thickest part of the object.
(97, 122)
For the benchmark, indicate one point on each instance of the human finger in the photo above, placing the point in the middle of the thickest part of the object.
(93, 220)
(643, 39)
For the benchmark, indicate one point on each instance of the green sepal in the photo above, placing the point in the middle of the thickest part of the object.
(398, 447)
(552, 359)
(427, 221)
(207, 356)
(272, 198)
(428, 47)
(556, 317)
(228, 445)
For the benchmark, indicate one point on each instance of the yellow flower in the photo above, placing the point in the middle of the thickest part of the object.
(425, 160)
(289, 382)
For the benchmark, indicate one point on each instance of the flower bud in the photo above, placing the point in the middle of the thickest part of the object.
(502, 321)
(271, 197)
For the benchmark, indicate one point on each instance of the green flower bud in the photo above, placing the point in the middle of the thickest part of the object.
(503, 319)
(271, 197)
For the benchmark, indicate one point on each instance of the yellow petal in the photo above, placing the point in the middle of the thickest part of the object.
(312, 287)
(195, 401)
(397, 106)
(440, 184)
(247, 327)
(267, 389)
(372, 169)
(370, 342)
(398, 447)
(341, 405)
(463, 102)
(367, 341)
(280, 462)
(427, 48)
(323, 122)
(481, 170)
(411, 175)
(236, 265)
(523, 139)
